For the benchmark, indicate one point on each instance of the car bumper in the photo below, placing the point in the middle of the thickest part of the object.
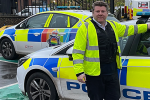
(20, 78)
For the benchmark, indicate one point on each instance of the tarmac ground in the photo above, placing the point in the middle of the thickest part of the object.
(8, 83)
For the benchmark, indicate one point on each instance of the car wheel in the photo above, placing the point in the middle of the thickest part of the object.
(40, 87)
(7, 49)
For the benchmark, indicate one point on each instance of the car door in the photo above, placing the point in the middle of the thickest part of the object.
(60, 30)
(29, 33)
(71, 88)
(135, 76)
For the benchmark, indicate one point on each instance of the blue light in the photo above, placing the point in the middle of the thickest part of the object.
(143, 13)
(65, 7)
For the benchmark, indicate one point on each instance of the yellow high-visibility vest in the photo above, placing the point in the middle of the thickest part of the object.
(86, 56)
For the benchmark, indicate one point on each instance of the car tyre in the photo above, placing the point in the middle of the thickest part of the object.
(40, 87)
(7, 49)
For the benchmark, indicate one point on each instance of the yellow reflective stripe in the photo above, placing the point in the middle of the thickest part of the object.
(139, 62)
(138, 76)
(68, 22)
(67, 70)
(58, 65)
(1, 33)
(68, 73)
(66, 62)
(27, 63)
(48, 20)
(21, 35)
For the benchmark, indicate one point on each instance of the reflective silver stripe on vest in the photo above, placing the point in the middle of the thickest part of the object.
(113, 23)
(86, 24)
(92, 48)
(119, 54)
(126, 31)
(78, 51)
(77, 61)
(92, 59)
(119, 46)
(135, 29)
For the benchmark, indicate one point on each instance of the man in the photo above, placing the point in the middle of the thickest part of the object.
(96, 53)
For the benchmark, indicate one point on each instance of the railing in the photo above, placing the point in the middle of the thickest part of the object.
(30, 7)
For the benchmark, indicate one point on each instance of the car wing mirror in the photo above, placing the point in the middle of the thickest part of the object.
(69, 53)
(22, 25)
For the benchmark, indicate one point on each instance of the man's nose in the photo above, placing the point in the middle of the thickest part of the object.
(100, 13)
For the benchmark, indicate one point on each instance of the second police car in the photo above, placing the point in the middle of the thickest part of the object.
(48, 74)
(42, 30)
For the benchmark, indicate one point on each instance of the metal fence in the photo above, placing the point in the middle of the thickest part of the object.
(30, 7)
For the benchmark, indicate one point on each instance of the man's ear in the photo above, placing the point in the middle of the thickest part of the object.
(92, 12)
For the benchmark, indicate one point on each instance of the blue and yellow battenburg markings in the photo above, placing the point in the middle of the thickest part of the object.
(28, 34)
(131, 74)
(49, 63)
(136, 73)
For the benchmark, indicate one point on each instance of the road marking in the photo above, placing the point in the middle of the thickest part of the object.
(8, 86)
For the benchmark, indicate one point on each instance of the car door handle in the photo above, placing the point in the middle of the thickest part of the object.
(55, 69)
(36, 34)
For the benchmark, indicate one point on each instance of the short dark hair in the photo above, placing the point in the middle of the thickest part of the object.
(100, 3)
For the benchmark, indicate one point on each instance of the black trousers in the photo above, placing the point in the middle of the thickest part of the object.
(104, 87)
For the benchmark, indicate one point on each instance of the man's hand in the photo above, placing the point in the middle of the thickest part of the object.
(82, 78)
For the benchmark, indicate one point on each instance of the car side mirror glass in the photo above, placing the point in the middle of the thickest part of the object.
(22, 25)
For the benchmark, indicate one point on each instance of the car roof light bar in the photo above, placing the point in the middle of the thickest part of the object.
(143, 13)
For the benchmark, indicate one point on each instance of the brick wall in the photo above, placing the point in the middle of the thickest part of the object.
(10, 20)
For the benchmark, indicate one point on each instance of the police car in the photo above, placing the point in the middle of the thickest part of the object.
(48, 74)
(42, 30)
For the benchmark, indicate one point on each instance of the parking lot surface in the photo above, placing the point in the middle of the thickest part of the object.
(9, 89)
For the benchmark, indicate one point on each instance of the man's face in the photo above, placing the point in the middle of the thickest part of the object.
(100, 14)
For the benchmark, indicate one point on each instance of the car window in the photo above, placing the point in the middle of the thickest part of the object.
(37, 21)
(73, 21)
(112, 18)
(143, 47)
(59, 21)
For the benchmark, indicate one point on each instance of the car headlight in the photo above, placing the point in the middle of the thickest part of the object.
(22, 60)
